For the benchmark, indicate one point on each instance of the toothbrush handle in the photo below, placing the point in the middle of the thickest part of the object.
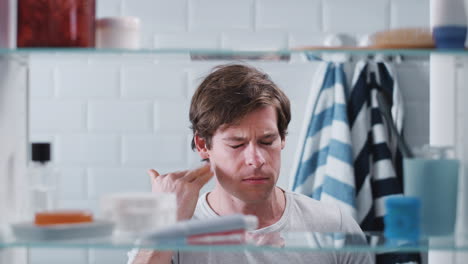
(402, 145)
(384, 108)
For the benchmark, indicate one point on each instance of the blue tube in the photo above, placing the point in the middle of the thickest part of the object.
(402, 220)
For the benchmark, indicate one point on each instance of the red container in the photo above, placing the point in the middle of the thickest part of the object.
(56, 23)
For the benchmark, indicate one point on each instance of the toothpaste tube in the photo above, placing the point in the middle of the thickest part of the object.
(218, 230)
(218, 238)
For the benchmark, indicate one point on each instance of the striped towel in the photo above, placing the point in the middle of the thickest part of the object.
(325, 160)
(359, 177)
(377, 163)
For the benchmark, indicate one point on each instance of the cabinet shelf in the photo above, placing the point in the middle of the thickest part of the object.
(228, 52)
(298, 241)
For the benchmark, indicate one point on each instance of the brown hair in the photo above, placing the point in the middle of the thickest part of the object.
(230, 92)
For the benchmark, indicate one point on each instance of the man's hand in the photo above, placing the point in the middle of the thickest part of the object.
(185, 184)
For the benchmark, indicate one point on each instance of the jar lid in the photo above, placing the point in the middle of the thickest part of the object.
(118, 22)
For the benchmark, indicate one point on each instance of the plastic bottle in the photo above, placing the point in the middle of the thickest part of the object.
(448, 22)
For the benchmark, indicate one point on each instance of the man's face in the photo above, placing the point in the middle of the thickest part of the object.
(246, 155)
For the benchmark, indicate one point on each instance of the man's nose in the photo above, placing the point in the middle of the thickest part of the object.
(254, 156)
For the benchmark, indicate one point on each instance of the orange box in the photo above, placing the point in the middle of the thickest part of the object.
(62, 217)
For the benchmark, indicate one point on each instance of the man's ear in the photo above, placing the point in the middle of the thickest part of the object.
(200, 144)
(283, 142)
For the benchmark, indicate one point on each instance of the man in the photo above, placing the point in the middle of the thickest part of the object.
(239, 120)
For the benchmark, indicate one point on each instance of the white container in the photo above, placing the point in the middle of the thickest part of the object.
(448, 22)
(139, 213)
(447, 13)
(8, 23)
(118, 33)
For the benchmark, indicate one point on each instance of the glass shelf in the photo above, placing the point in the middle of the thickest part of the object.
(299, 241)
(226, 52)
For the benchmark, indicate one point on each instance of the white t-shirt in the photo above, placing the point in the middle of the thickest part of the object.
(301, 214)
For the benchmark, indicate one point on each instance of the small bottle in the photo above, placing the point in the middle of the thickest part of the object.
(43, 179)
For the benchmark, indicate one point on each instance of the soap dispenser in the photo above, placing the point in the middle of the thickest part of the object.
(43, 178)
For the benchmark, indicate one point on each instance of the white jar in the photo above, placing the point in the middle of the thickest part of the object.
(118, 33)
(139, 213)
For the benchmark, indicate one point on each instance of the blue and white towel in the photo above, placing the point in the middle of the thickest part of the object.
(354, 164)
(324, 167)
(377, 162)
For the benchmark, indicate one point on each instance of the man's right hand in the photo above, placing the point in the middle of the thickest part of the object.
(185, 184)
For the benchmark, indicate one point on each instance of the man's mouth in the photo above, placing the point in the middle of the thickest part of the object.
(256, 180)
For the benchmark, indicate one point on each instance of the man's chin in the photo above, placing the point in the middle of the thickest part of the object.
(254, 195)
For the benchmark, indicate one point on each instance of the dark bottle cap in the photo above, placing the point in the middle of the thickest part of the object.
(40, 152)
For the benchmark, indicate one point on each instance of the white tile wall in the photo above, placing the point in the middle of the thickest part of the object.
(417, 119)
(289, 15)
(72, 183)
(412, 90)
(359, 16)
(120, 116)
(106, 8)
(177, 110)
(199, 40)
(112, 117)
(254, 40)
(57, 116)
(110, 180)
(87, 150)
(220, 15)
(87, 82)
(154, 82)
(154, 151)
(158, 16)
(404, 13)
(42, 82)
(301, 38)
(416, 99)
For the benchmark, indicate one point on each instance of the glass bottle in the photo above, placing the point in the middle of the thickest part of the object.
(43, 179)
(56, 23)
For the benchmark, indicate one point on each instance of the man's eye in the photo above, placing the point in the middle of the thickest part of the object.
(267, 143)
(236, 146)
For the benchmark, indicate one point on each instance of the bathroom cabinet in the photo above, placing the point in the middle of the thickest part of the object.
(448, 115)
